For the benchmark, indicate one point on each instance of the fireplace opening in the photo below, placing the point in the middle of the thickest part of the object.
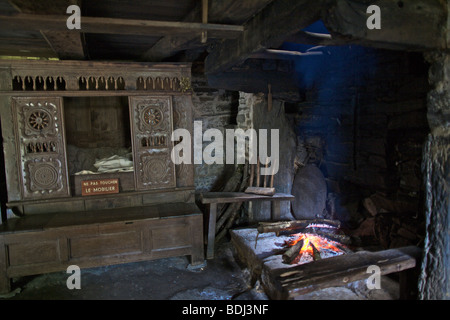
(98, 140)
(351, 149)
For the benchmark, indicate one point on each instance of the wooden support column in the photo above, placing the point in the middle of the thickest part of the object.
(212, 209)
(5, 282)
(204, 19)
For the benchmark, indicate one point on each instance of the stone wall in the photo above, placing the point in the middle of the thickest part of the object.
(216, 109)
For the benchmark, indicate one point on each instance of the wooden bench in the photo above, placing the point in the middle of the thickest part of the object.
(211, 199)
(289, 283)
(45, 243)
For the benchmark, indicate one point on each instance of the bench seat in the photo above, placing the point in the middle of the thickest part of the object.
(44, 243)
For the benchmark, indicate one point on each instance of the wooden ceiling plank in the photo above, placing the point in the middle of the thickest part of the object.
(219, 11)
(267, 29)
(119, 26)
(66, 45)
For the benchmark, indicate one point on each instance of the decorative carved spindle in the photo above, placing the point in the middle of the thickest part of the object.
(121, 84)
(158, 85)
(102, 83)
(151, 83)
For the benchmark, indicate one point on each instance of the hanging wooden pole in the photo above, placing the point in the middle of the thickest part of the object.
(269, 98)
(204, 19)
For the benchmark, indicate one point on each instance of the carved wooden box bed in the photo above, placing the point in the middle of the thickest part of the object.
(88, 165)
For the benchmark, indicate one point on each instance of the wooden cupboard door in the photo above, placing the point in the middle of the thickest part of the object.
(39, 131)
(151, 129)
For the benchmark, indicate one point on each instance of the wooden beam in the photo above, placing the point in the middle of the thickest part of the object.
(32, 47)
(411, 24)
(67, 45)
(219, 11)
(57, 23)
(204, 19)
(337, 271)
(267, 29)
(406, 25)
(256, 81)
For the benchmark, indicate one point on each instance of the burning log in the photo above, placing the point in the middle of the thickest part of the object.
(277, 227)
(309, 247)
(316, 253)
(292, 252)
(342, 238)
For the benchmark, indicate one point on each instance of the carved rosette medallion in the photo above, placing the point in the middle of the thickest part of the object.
(44, 176)
(39, 119)
(152, 116)
(156, 171)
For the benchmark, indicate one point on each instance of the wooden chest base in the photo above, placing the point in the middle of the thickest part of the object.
(49, 243)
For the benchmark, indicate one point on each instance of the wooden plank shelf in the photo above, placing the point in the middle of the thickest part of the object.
(229, 197)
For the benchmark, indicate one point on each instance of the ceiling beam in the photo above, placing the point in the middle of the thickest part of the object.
(268, 29)
(405, 25)
(409, 24)
(57, 23)
(219, 11)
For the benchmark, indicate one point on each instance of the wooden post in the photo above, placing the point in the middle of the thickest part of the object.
(197, 256)
(276, 210)
(211, 230)
(204, 19)
(5, 282)
(257, 173)
(252, 172)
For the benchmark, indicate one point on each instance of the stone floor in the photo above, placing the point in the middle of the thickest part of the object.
(222, 278)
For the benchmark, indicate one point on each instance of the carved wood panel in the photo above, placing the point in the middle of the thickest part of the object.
(151, 128)
(40, 146)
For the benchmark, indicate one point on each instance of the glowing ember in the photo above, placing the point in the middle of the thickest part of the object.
(314, 247)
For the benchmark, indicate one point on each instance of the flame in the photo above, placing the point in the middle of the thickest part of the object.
(319, 243)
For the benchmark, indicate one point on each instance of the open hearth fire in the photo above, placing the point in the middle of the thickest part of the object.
(294, 258)
(308, 240)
